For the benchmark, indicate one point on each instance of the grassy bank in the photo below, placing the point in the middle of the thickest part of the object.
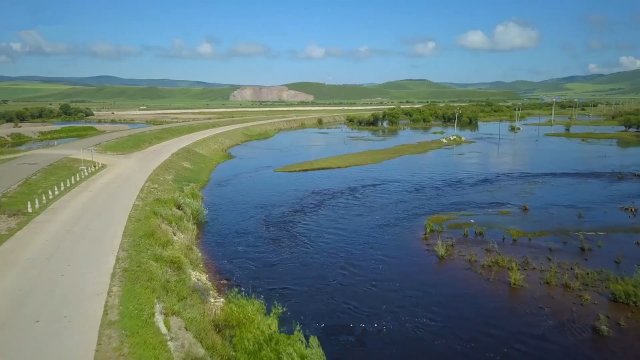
(370, 156)
(141, 141)
(9, 142)
(69, 132)
(576, 123)
(625, 138)
(13, 203)
(159, 262)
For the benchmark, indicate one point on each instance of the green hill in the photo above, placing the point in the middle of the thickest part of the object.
(133, 94)
(621, 84)
(403, 90)
(412, 84)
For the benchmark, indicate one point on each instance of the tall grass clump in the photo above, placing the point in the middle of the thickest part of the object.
(443, 249)
(626, 290)
(516, 277)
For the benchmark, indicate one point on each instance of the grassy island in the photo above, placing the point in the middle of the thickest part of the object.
(373, 156)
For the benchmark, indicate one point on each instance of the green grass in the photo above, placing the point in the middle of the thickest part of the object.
(158, 255)
(402, 90)
(143, 140)
(69, 132)
(15, 90)
(516, 233)
(515, 276)
(14, 139)
(370, 156)
(443, 249)
(626, 290)
(13, 203)
(576, 123)
(624, 138)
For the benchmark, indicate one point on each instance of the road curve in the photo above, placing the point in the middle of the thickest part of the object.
(14, 171)
(55, 272)
(290, 108)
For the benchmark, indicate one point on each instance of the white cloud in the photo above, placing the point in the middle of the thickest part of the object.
(629, 62)
(424, 48)
(509, 35)
(363, 52)
(249, 49)
(625, 63)
(594, 69)
(111, 51)
(178, 49)
(34, 43)
(206, 49)
(313, 51)
(31, 42)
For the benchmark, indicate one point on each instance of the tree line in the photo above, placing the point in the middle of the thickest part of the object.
(64, 111)
(428, 114)
(629, 119)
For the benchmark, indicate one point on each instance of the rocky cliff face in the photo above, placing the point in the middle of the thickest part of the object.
(268, 93)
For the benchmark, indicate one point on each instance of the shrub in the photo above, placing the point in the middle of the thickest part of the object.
(626, 290)
(516, 277)
(443, 249)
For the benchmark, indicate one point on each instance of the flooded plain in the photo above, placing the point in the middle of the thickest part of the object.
(343, 250)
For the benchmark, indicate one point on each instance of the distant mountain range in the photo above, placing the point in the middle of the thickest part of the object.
(111, 88)
(106, 80)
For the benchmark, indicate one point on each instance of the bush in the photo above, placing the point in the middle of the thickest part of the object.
(626, 290)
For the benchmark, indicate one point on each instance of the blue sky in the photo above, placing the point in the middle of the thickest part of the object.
(259, 42)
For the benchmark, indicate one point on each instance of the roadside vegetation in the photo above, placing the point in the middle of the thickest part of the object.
(373, 156)
(143, 140)
(159, 265)
(14, 213)
(40, 113)
(9, 143)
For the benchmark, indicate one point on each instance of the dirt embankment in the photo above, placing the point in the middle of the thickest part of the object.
(268, 93)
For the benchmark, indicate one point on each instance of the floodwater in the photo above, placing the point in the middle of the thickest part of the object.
(342, 249)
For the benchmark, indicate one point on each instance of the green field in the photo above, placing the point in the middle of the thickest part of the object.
(370, 156)
(16, 90)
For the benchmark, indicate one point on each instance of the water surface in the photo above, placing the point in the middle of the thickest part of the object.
(342, 249)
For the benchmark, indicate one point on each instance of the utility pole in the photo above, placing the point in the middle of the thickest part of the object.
(553, 111)
(455, 124)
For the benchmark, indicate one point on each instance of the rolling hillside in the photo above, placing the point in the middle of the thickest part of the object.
(105, 80)
(102, 90)
(621, 84)
(402, 90)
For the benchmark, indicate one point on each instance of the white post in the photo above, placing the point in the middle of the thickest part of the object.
(29, 207)
(68, 183)
(44, 199)
(77, 177)
(55, 190)
(37, 204)
(73, 180)
(50, 195)
(61, 186)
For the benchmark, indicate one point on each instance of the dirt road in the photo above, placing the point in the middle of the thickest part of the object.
(55, 273)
